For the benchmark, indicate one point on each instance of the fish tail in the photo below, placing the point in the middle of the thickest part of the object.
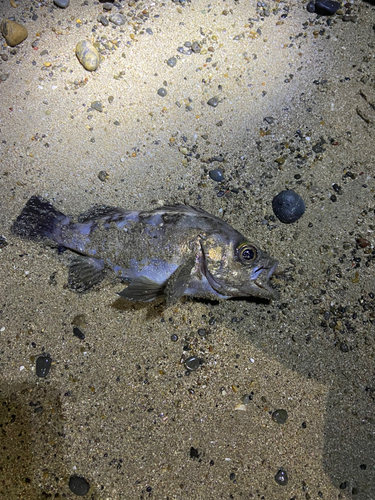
(38, 220)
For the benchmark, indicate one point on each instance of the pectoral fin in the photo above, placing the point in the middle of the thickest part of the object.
(85, 272)
(142, 290)
(179, 281)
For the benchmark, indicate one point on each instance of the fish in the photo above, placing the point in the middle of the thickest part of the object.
(170, 252)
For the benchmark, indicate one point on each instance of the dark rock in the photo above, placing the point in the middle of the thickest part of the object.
(326, 7)
(281, 477)
(78, 485)
(288, 206)
(43, 366)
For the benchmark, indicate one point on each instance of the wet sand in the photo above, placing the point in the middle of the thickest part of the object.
(118, 407)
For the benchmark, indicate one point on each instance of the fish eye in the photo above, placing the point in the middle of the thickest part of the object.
(247, 252)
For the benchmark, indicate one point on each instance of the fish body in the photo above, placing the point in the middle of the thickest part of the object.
(169, 251)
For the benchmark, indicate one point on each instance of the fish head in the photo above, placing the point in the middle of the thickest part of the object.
(237, 267)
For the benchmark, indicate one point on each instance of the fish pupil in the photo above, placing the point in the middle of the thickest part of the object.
(248, 254)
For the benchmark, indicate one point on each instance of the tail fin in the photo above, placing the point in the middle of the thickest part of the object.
(37, 220)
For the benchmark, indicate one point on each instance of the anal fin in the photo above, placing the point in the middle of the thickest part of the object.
(85, 272)
(142, 289)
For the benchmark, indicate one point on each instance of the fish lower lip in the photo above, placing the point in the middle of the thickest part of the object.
(271, 271)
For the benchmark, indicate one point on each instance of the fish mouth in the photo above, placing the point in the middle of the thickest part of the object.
(262, 280)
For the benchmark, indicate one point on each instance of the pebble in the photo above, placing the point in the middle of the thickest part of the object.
(214, 101)
(103, 175)
(326, 7)
(43, 366)
(192, 363)
(107, 6)
(280, 416)
(216, 175)
(162, 92)
(80, 320)
(246, 399)
(13, 32)
(78, 485)
(311, 6)
(97, 106)
(361, 242)
(269, 119)
(172, 61)
(117, 19)
(87, 55)
(63, 4)
(77, 332)
(281, 477)
(4, 76)
(195, 47)
(103, 20)
(288, 206)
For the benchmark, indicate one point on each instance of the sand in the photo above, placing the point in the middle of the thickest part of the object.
(117, 408)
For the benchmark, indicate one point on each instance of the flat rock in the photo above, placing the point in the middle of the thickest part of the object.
(13, 32)
(87, 55)
(63, 4)
(117, 19)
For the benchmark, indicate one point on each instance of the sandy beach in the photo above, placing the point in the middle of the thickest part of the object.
(273, 96)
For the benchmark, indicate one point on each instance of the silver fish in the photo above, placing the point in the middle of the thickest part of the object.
(169, 251)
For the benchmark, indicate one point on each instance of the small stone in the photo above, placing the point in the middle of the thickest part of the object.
(4, 76)
(107, 6)
(361, 242)
(63, 4)
(326, 7)
(162, 92)
(43, 366)
(87, 55)
(280, 416)
(288, 206)
(172, 61)
(344, 347)
(246, 399)
(281, 477)
(269, 120)
(102, 20)
(192, 363)
(311, 6)
(80, 320)
(195, 47)
(78, 485)
(13, 32)
(214, 101)
(103, 175)
(216, 175)
(97, 106)
(117, 19)
(77, 332)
